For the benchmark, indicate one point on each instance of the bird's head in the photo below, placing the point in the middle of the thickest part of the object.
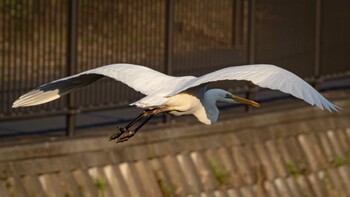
(227, 97)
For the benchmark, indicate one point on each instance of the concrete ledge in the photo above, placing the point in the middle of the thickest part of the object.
(258, 127)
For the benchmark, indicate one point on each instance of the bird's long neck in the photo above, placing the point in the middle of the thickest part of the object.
(210, 99)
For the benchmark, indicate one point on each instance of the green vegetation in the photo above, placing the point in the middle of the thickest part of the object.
(295, 171)
(341, 160)
(101, 186)
(292, 170)
(219, 174)
(165, 188)
(338, 161)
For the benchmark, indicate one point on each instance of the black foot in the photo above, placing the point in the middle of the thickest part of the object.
(121, 135)
(125, 136)
(116, 134)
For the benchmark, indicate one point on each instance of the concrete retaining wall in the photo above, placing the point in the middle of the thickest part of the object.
(300, 152)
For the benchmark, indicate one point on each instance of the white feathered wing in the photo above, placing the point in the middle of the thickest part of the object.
(267, 76)
(140, 78)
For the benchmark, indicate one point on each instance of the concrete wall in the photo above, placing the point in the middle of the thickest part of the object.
(299, 152)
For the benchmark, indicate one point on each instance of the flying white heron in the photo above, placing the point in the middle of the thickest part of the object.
(179, 95)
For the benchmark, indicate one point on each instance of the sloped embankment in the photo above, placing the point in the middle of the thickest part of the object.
(299, 152)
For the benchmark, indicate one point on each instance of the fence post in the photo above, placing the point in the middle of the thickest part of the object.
(236, 29)
(317, 55)
(71, 61)
(168, 42)
(169, 36)
(251, 32)
(250, 43)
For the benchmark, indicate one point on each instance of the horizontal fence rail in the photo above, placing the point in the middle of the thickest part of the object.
(41, 41)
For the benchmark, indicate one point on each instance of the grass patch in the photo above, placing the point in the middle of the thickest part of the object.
(101, 186)
(219, 174)
(338, 161)
(165, 188)
(292, 170)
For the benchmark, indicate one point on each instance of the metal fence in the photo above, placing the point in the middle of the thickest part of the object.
(43, 40)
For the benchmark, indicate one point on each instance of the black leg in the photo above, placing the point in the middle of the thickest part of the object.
(144, 122)
(127, 135)
(121, 130)
(143, 114)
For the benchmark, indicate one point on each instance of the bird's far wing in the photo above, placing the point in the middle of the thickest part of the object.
(267, 76)
(140, 78)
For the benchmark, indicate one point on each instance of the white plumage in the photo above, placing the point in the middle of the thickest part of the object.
(181, 95)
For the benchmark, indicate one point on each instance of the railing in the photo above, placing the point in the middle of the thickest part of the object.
(44, 40)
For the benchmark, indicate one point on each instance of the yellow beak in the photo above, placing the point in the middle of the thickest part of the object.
(245, 101)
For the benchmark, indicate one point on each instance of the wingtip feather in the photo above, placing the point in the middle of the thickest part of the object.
(36, 97)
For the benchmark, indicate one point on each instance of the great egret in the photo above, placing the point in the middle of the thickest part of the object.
(179, 95)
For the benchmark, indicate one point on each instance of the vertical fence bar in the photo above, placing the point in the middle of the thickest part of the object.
(250, 43)
(233, 23)
(251, 33)
(168, 42)
(317, 52)
(71, 62)
(237, 27)
(169, 36)
(2, 61)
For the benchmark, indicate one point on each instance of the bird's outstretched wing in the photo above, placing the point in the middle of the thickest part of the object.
(267, 76)
(140, 78)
